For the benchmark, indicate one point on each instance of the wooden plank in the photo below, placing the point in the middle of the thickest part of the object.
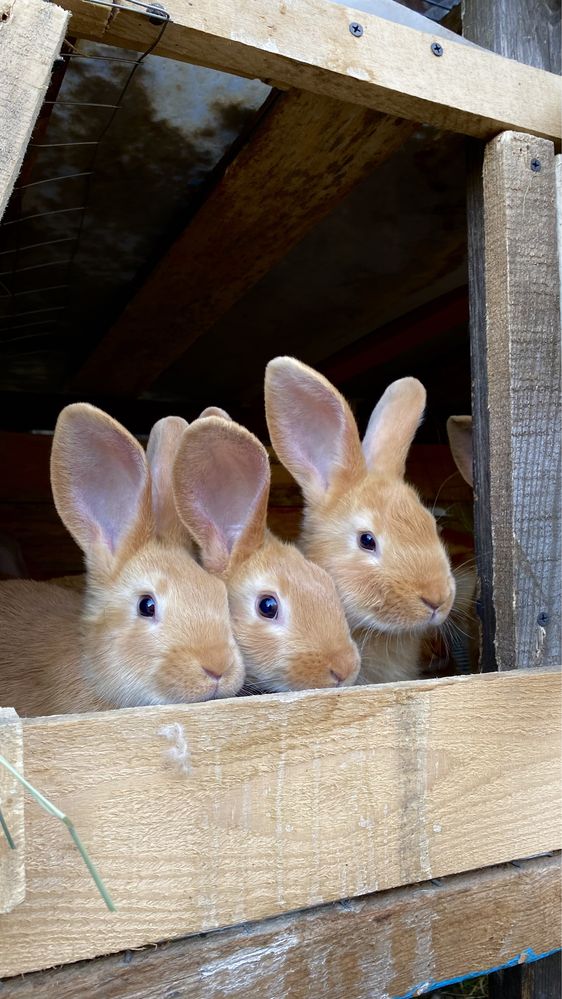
(523, 370)
(12, 861)
(392, 943)
(290, 800)
(523, 30)
(31, 34)
(308, 45)
(304, 156)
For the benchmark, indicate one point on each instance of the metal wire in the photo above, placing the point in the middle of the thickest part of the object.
(137, 6)
(35, 246)
(51, 180)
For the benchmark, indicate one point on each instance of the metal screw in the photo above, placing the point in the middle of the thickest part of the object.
(356, 29)
(535, 166)
(437, 49)
(542, 619)
(157, 13)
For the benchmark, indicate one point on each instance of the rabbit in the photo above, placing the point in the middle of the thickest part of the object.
(286, 615)
(362, 522)
(152, 626)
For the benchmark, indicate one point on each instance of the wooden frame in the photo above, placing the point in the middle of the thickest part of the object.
(361, 787)
(281, 802)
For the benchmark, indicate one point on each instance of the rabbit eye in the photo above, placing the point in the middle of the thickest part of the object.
(268, 606)
(146, 606)
(368, 541)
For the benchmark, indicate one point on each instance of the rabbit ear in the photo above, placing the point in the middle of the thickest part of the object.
(393, 426)
(221, 485)
(459, 432)
(214, 411)
(161, 453)
(312, 428)
(100, 483)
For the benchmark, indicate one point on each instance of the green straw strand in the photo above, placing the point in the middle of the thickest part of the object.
(6, 831)
(56, 812)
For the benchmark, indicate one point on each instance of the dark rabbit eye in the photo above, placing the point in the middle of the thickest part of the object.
(268, 606)
(368, 541)
(147, 606)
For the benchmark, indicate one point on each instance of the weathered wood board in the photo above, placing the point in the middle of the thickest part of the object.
(12, 861)
(390, 67)
(289, 800)
(524, 405)
(31, 34)
(403, 941)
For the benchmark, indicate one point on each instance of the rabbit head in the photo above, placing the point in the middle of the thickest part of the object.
(156, 626)
(363, 523)
(286, 615)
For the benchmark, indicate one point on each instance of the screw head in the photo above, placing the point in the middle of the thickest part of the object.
(535, 165)
(356, 29)
(542, 619)
(156, 13)
(437, 49)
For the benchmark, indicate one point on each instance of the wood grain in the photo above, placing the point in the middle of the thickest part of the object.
(304, 156)
(523, 371)
(12, 862)
(390, 68)
(31, 34)
(290, 800)
(391, 943)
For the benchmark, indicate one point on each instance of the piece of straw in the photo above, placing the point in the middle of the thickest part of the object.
(6, 831)
(56, 812)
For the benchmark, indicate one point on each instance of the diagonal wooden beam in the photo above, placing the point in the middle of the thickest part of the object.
(304, 156)
(308, 44)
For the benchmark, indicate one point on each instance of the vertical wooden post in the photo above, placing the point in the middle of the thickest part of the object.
(515, 338)
(515, 347)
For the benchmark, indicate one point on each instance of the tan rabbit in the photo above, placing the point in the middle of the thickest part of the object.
(152, 627)
(286, 615)
(362, 522)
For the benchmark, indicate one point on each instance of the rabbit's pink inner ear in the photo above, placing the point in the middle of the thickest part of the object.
(459, 431)
(99, 479)
(221, 483)
(311, 427)
(393, 425)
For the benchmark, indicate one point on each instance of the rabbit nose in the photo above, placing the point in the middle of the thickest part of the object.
(211, 673)
(429, 603)
(346, 664)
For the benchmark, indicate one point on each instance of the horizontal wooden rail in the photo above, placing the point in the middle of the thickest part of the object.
(283, 802)
(405, 941)
(308, 44)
